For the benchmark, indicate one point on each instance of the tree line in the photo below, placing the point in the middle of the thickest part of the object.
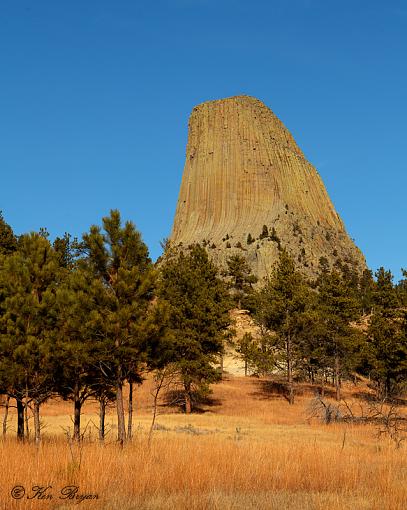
(81, 319)
(339, 325)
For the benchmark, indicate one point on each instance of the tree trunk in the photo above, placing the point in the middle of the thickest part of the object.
(130, 415)
(337, 378)
(245, 367)
(323, 385)
(388, 387)
(102, 415)
(77, 415)
(290, 373)
(121, 425)
(27, 428)
(187, 396)
(221, 366)
(5, 417)
(37, 427)
(159, 382)
(20, 419)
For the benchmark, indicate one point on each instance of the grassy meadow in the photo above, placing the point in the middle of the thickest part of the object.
(246, 448)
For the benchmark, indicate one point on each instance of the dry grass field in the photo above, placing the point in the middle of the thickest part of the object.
(245, 449)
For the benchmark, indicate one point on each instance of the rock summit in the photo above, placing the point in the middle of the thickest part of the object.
(247, 188)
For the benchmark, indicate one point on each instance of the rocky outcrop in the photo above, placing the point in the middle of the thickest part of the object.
(247, 188)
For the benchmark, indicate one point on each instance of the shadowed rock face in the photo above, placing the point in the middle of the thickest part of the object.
(243, 170)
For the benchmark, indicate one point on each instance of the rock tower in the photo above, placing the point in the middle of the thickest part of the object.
(247, 188)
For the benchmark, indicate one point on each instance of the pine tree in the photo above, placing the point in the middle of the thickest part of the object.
(315, 339)
(337, 307)
(387, 343)
(350, 276)
(385, 296)
(81, 343)
(8, 241)
(366, 291)
(282, 303)
(388, 354)
(240, 277)
(247, 348)
(264, 232)
(28, 279)
(323, 270)
(119, 258)
(67, 250)
(402, 289)
(198, 306)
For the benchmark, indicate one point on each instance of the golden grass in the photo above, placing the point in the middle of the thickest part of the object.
(250, 450)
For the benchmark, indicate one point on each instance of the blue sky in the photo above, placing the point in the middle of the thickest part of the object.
(95, 98)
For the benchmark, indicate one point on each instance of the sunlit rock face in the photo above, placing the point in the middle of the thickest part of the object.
(244, 172)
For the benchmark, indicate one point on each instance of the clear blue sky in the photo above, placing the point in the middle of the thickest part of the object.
(95, 97)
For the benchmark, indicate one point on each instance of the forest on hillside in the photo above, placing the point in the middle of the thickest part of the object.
(82, 318)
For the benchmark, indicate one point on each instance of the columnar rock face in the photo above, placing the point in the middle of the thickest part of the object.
(247, 188)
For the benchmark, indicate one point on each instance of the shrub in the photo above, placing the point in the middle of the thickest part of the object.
(264, 232)
(250, 239)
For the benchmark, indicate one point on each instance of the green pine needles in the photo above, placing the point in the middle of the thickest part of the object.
(80, 319)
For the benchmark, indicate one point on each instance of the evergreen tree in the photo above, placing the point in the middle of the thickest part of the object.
(385, 297)
(387, 343)
(366, 289)
(388, 354)
(82, 351)
(282, 303)
(28, 278)
(402, 289)
(67, 250)
(315, 338)
(351, 279)
(247, 348)
(337, 307)
(240, 277)
(198, 306)
(323, 270)
(120, 260)
(264, 232)
(8, 241)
